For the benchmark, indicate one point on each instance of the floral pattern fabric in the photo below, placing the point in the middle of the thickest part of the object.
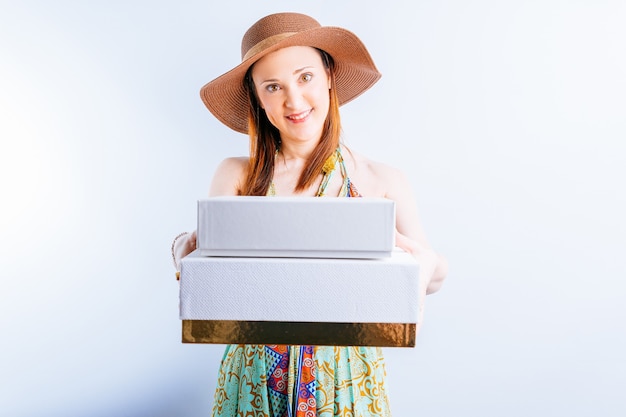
(349, 382)
(303, 381)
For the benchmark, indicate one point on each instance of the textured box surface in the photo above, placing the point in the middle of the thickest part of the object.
(300, 300)
(296, 227)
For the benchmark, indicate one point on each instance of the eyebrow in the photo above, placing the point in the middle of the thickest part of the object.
(273, 80)
(302, 69)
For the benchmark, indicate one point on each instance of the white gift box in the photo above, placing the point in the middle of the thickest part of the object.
(309, 301)
(296, 227)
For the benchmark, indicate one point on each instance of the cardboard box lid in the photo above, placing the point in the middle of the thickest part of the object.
(323, 227)
(301, 289)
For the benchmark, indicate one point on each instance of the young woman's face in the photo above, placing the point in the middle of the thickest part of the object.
(292, 86)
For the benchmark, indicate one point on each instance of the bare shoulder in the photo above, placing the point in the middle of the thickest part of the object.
(377, 179)
(374, 178)
(228, 176)
(233, 164)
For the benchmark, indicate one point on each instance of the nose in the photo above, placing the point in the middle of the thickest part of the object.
(293, 97)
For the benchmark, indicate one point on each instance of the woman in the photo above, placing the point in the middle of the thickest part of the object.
(285, 95)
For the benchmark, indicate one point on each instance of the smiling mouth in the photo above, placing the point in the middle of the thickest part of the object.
(299, 116)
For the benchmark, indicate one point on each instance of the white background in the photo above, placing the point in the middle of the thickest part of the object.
(508, 116)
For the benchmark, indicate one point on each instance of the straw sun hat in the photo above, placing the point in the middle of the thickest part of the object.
(355, 72)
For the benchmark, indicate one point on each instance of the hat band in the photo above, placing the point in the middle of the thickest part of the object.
(266, 43)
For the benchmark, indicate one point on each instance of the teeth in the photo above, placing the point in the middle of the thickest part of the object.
(300, 116)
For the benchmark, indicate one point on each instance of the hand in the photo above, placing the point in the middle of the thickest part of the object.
(183, 246)
(433, 267)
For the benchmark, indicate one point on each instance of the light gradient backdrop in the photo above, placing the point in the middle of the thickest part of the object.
(508, 116)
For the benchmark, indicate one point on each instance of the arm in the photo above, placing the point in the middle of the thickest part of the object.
(225, 181)
(410, 235)
(228, 177)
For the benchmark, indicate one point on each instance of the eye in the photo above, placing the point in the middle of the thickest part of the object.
(272, 88)
(306, 77)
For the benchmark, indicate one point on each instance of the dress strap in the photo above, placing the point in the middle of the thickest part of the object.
(330, 166)
(334, 161)
(347, 187)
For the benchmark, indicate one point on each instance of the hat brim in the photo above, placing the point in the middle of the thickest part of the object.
(355, 72)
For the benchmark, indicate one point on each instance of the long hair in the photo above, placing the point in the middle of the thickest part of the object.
(265, 140)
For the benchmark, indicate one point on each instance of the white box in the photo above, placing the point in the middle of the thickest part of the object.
(317, 227)
(300, 300)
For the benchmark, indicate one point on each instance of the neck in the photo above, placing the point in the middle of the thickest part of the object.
(295, 151)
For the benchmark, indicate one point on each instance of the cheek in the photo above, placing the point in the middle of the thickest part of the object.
(269, 102)
(261, 102)
(322, 98)
(271, 112)
(264, 99)
(266, 105)
(322, 90)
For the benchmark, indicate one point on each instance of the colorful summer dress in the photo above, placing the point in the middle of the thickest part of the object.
(303, 381)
